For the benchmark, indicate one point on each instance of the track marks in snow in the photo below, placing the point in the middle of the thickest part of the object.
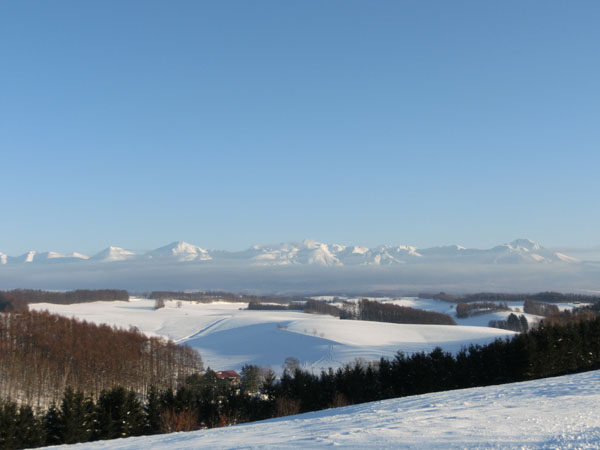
(201, 331)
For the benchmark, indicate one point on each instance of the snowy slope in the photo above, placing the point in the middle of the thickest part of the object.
(228, 337)
(554, 413)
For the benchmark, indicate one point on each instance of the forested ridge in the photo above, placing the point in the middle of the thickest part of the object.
(203, 400)
(41, 354)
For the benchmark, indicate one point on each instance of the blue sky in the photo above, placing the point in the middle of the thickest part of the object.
(137, 123)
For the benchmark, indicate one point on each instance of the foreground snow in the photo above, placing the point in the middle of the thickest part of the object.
(229, 336)
(562, 412)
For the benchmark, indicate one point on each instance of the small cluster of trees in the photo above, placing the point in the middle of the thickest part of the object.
(512, 323)
(309, 306)
(464, 310)
(388, 312)
(260, 306)
(539, 309)
(41, 354)
(20, 298)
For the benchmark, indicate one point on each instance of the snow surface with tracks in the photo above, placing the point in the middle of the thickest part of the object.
(229, 336)
(553, 413)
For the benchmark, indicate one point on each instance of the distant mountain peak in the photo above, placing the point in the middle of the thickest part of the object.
(311, 243)
(181, 251)
(113, 253)
(526, 244)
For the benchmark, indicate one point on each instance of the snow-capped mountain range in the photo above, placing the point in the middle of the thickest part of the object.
(310, 252)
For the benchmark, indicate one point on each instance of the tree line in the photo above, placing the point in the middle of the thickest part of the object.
(544, 297)
(213, 296)
(388, 312)
(539, 309)
(309, 306)
(20, 298)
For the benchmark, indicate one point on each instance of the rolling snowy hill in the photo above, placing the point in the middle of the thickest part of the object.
(229, 336)
(553, 413)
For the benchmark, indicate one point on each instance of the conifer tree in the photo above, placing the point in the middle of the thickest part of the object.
(51, 426)
(152, 411)
(76, 419)
(9, 432)
(30, 431)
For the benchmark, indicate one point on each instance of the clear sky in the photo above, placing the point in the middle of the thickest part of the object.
(229, 123)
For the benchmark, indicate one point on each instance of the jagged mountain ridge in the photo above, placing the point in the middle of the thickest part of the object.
(39, 257)
(310, 252)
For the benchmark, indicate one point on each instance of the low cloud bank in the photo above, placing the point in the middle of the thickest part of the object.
(407, 279)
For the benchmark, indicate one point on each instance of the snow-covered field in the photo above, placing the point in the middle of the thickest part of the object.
(554, 413)
(228, 336)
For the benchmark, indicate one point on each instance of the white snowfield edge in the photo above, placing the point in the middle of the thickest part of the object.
(229, 336)
(553, 413)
